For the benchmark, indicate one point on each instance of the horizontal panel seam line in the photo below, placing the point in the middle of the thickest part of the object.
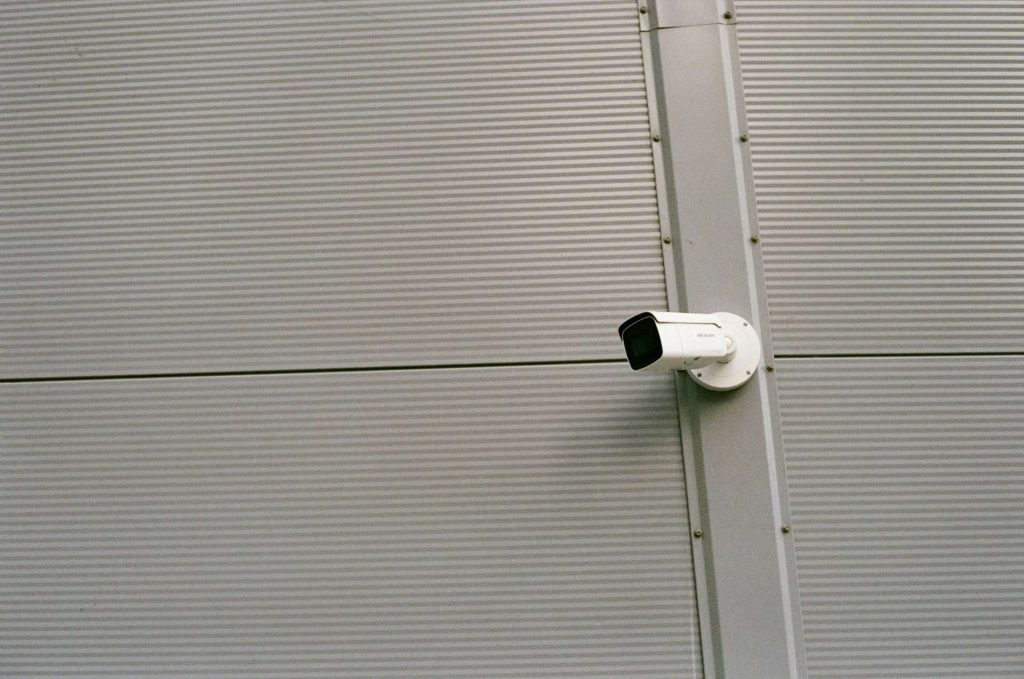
(313, 371)
(923, 354)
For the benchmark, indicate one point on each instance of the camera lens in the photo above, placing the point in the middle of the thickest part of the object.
(643, 343)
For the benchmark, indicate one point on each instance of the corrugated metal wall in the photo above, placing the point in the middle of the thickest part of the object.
(269, 185)
(907, 486)
(451, 523)
(461, 189)
(887, 151)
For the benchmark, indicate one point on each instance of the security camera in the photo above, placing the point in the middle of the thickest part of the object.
(721, 351)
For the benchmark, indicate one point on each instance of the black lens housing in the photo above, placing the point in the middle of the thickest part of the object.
(642, 340)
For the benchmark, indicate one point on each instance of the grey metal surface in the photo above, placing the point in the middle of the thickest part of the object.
(906, 483)
(477, 522)
(678, 13)
(221, 186)
(887, 150)
(730, 440)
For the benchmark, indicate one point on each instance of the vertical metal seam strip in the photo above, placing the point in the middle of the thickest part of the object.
(693, 490)
(760, 318)
(655, 17)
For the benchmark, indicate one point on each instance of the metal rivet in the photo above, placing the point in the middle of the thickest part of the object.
(643, 10)
(655, 138)
(727, 15)
(770, 368)
(744, 138)
(786, 528)
(667, 240)
(755, 239)
(699, 374)
(698, 533)
(748, 372)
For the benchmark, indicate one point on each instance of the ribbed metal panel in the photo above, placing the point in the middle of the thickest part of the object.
(906, 480)
(452, 523)
(211, 186)
(889, 168)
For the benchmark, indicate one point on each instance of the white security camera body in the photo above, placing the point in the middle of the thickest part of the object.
(721, 351)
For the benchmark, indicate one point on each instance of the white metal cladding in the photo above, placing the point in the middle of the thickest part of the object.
(889, 167)
(210, 186)
(906, 485)
(477, 522)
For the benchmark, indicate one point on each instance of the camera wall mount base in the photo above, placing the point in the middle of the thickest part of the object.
(743, 364)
